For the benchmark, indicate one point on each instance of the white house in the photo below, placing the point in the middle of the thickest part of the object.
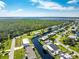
(26, 42)
(44, 38)
(74, 28)
(65, 56)
(52, 33)
(72, 37)
(36, 33)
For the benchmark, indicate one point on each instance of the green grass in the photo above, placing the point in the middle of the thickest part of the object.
(19, 54)
(57, 57)
(55, 36)
(7, 44)
(74, 48)
(63, 49)
(62, 38)
(25, 36)
(4, 57)
(18, 42)
(37, 54)
(75, 57)
(41, 42)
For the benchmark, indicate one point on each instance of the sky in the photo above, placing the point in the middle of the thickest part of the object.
(39, 8)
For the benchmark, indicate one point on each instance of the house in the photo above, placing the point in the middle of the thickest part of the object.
(37, 33)
(52, 49)
(65, 56)
(48, 41)
(26, 42)
(72, 37)
(28, 49)
(52, 33)
(74, 29)
(55, 31)
(44, 38)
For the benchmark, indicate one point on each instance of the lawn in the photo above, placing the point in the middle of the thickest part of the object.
(26, 36)
(63, 49)
(19, 54)
(57, 57)
(55, 36)
(75, 57)
(41, 42)
(4, 56)
(7, 44)
(37, 54)
(18, 42)
(75, 48)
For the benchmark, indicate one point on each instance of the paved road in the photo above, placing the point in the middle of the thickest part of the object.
(11, 54)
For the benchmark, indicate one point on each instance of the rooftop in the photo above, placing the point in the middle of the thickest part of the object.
(65, 56)
(26, 41)
(44, 37)
(72, 36)
(52, 47)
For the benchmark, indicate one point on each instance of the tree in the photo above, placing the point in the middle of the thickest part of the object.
(70, 42)
(51, 38)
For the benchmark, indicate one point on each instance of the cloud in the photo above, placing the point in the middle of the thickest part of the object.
(7, 13)
(51, 5)
(72, 1)
(35, 1)
(2, 5)
(18, 10)
(22, 13)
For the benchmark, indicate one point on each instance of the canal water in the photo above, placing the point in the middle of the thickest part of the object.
(77, 34)
(40, 49)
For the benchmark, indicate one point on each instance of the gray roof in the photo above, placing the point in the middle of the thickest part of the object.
(64, 57)
(54, 46)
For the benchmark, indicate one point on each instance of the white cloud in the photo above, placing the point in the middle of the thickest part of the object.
(7, 13)
(72, 1)
(18, 10)
(53, 6)
(35, 1)
(2, 5)
(22, 13)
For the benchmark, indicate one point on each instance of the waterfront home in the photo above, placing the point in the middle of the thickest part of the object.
(44, 38)
(52, 33)
(52, 49)
(36, 33)
(47, 41)
(54, 26)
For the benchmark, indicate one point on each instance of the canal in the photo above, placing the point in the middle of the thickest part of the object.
(40, 49)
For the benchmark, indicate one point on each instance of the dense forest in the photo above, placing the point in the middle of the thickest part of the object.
(15, 28)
